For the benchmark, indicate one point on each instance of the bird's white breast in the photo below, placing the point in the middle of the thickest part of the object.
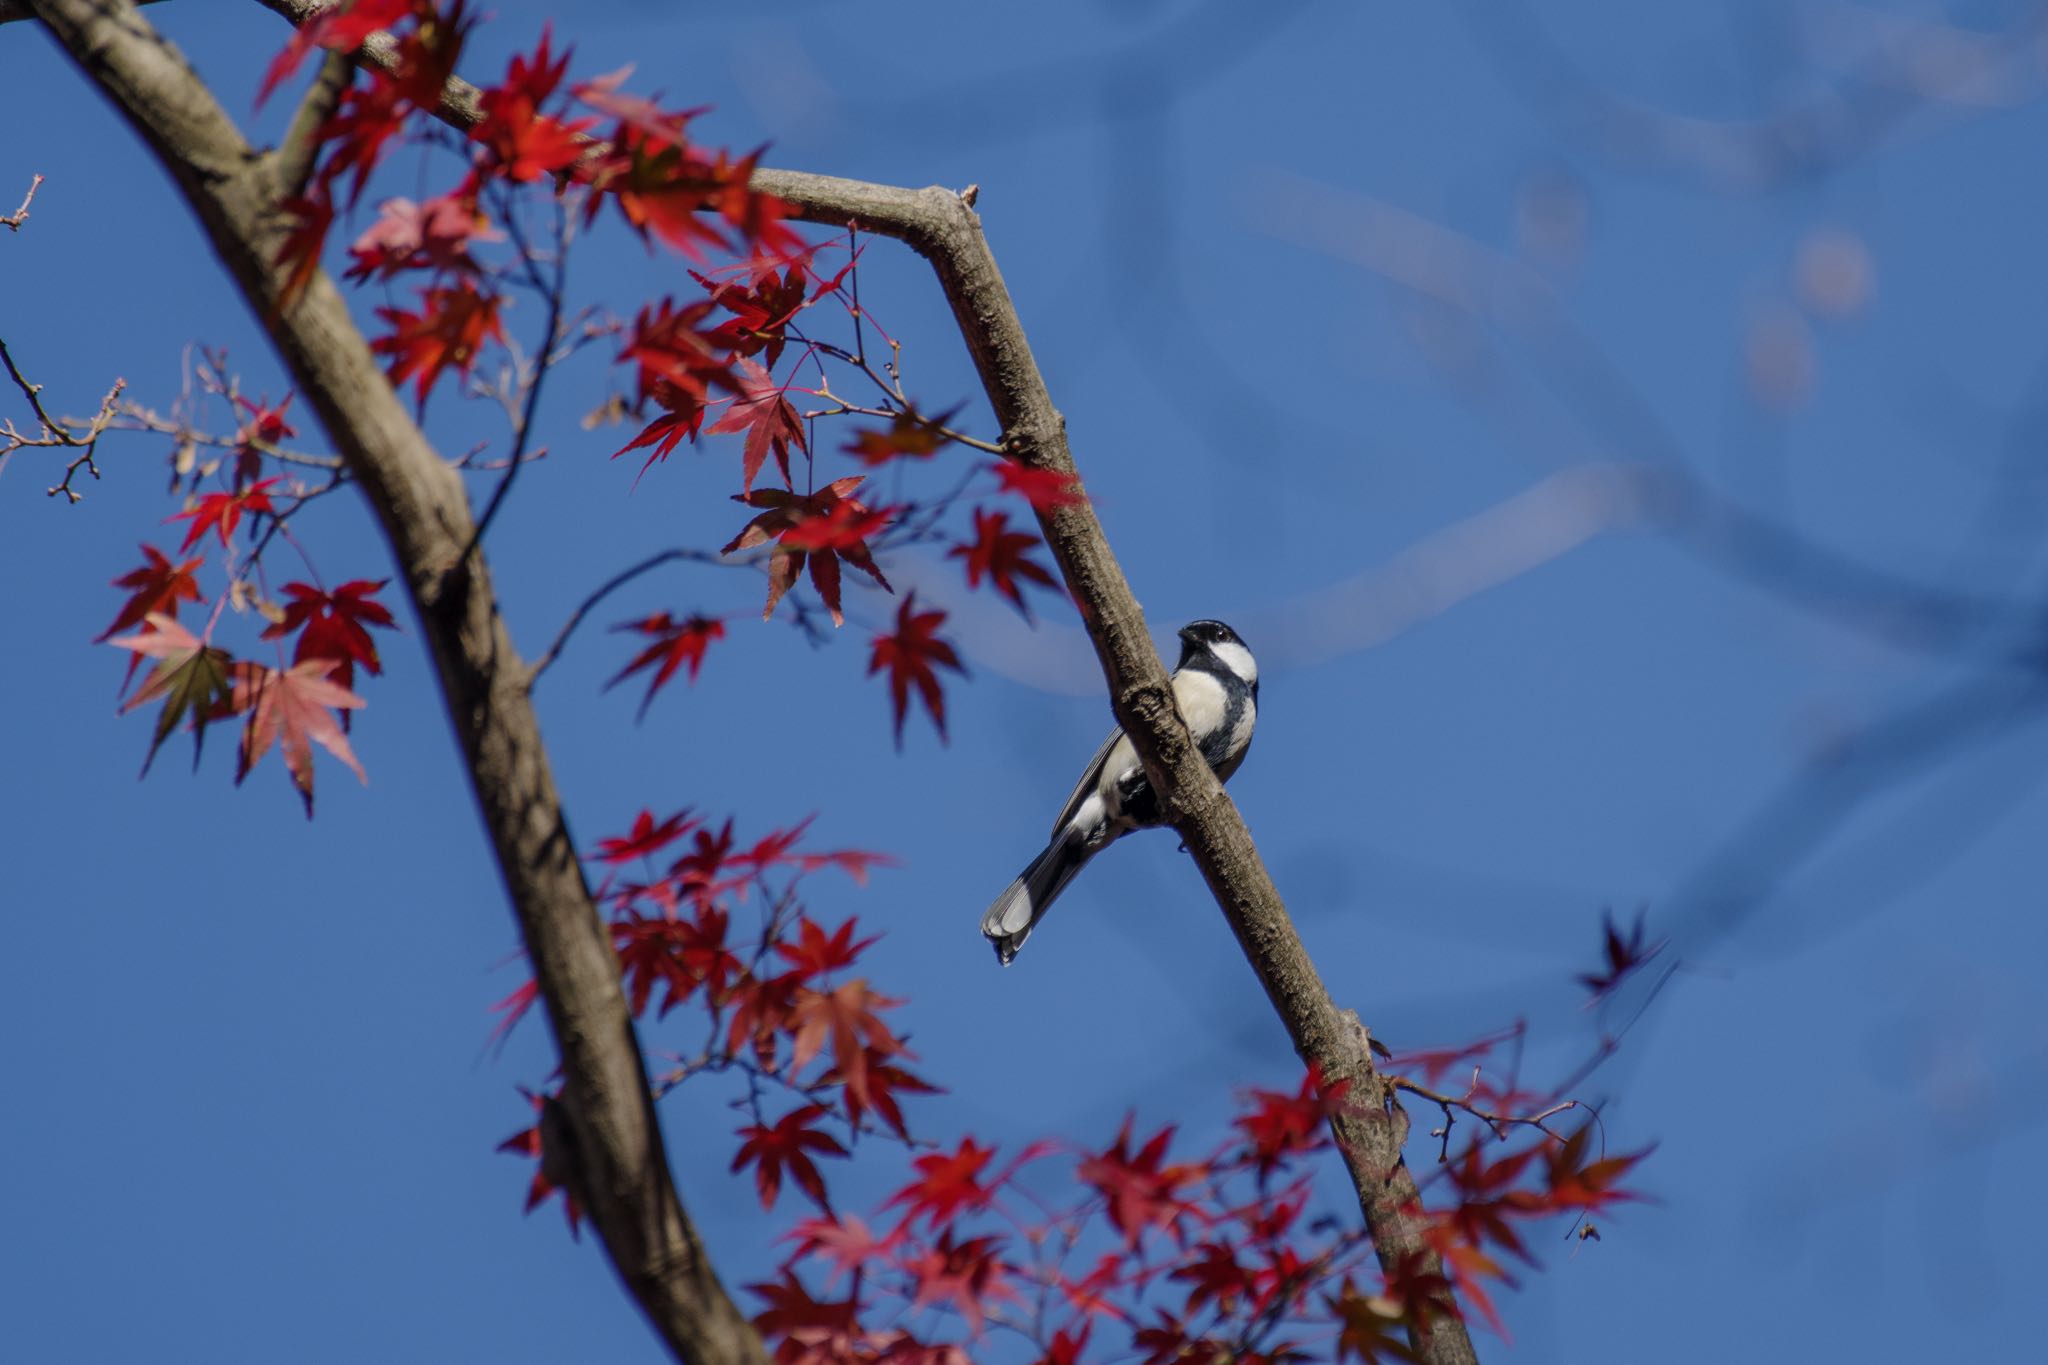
(1203, 702)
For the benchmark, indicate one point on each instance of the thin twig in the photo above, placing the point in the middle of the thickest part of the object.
(14, 220)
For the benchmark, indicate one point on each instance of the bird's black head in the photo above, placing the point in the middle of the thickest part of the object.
(1221, 643)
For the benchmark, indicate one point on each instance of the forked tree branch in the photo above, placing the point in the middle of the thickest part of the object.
(428, 521)
(625, 1180)
(942, 226)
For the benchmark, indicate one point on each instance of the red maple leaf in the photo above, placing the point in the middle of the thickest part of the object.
(191, 677)
(1002, 556)
(948, 1184)
(222, 512)
(521, 142)
(1066, 1346)
(761, 310)
(1044, 489)
(764, 412)
(843, 1242)
(1583, 1186)
(672, 644)
(816, 953)
(788, 1144)
(1213, 1275)
(913, 655)
(844, 1018)
(906, 436)
(434, 235)
(822, 547)
(662, 185)
(158, 586)
(966, 1275)
(761, 1009)
(666, 343)
(528, 1143)
(883, 1080)
(293, 709)
(646, 838)
(1142, 1193)
(264, 427)
(806, 1330)
(681, 955)
(451, 327)
(335, 626)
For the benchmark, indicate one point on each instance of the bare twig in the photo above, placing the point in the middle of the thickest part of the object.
(55, 433)
(14, 220)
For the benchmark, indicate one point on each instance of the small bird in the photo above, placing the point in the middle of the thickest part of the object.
(1216, 685)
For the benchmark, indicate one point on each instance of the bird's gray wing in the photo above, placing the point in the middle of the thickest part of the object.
(1089, 777)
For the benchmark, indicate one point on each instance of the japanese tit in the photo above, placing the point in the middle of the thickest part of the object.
(1216, 685)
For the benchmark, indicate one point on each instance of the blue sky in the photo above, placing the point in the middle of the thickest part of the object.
(1352, 287)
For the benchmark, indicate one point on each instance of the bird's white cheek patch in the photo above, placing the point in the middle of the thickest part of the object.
(1237, 659)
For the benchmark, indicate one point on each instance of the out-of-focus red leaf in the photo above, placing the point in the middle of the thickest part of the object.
(786, 1145)
(646, 838)
(947, 1185)
(967, 1275)
(191, 677)
(222, 512)
(844, 1242)
(1279, 1126)
(1044, 489)
(157, 587)
(294, 709)
(451, 327)
(433, 235)
(527, 1143)
(1625, 955)
(1140, 1191)
(340, 27)
(906, 436)
(522, 143)
(335, 626)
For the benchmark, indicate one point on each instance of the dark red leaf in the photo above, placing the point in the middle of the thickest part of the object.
(912, 655)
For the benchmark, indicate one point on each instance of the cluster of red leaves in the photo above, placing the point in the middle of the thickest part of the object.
(1156, 1255)
(779, 1004)
(664, 187)
(290, 707)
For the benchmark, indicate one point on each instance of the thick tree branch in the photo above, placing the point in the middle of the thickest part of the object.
(426, 517)
(942, 226)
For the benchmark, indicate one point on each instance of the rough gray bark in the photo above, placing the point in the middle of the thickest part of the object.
(427, 518)
(623, 1168)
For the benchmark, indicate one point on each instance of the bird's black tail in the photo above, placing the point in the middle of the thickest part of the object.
(1023, 904)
